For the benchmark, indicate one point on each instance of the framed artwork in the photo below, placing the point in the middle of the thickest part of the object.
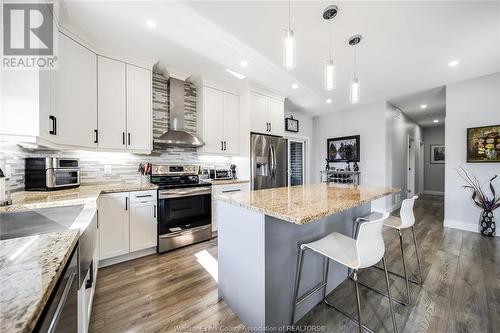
(291, 125)
(343, 149)
(483, 144)
(437, 154)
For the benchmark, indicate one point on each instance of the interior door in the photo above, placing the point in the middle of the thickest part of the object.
(139, 111)
(231, 124)
(411, 168)
(75, 86)
(111, 103)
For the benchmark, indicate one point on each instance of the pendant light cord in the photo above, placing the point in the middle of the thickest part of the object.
(329, 39)
(289, 10)
(355, 58)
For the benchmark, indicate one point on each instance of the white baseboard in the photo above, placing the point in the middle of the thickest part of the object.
(434, 193)
(473, 227)
(387, 210)
(127, 257)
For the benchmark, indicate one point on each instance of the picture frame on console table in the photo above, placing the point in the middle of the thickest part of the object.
(483, 144)
(343, 149)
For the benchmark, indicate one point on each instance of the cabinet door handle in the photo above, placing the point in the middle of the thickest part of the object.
(230, 191)
(154, 211)
(123, 138)
(144, 196)
(126, 203)
(96, 136)
(129, 138)
(222, 145)
(270, 127)
(225, 145)
(54, 125)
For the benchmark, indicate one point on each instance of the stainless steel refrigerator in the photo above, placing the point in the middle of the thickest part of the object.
(268, 161)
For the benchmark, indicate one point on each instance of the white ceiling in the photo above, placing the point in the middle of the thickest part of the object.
(406, 45)
(434, 99)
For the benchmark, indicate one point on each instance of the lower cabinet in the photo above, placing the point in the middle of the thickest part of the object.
(225, 189)
(127, 223)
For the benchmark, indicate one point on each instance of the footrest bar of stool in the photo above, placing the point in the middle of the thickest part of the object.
(348, 316)
(320, 286)
(381, 293)
(401, 276)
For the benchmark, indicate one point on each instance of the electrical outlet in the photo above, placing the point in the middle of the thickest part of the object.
(107, 169)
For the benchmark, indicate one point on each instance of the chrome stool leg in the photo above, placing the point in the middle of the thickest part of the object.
(418, 254)
(358, 303)
(404, 267)
(300, 259)
(389, 296)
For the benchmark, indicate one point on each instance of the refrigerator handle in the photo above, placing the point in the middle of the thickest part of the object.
(272, 166)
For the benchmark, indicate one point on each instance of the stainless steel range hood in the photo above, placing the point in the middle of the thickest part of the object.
(177, 135)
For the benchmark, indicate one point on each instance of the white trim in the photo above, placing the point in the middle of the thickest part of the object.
(307, 153)
(389, 209)
(434, 192)
(472, 227)
(127, 257)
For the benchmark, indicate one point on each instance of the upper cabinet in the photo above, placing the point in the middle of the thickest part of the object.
(111, 103)
(218, 116)
(124, 106)
(266, 114)
(74, 109)
(139, 109)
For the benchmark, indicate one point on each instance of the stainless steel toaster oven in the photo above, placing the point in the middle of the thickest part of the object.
(51, 173)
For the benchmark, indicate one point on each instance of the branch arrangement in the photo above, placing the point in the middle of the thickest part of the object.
(478, 194)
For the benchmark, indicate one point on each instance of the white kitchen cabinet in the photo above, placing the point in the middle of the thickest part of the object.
(143, 226)
(219, 121)
(267, 114)
(225, 189)
(75, 95)
(114, 225)
(139, 110)
(111, 96)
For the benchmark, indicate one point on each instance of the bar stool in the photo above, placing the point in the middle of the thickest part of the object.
(406, 221)
(363, 252)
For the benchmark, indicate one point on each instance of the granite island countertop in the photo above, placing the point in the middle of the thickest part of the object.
(306, 203)
(28, 200)
(29, 270)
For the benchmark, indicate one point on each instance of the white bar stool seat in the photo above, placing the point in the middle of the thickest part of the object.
(365, 251)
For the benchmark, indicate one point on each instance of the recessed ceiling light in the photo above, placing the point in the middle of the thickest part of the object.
(329, 101)
(295, 86)
(151, 23)
(453, 63)
(435, 121)
(423, 106)
(244, 63)
(235, 74)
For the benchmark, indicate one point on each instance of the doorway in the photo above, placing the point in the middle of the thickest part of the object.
(411, 167)
(296, 162)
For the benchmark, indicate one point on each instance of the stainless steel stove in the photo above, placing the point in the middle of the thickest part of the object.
(184, 206)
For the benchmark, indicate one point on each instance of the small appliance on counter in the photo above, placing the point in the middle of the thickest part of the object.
(4, 197)
(184, 206)
(219, 173)
(51, 173)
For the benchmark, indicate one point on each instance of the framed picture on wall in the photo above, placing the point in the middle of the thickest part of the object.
(291, 125)
(437, 154)
(483, 144)
(343, 149)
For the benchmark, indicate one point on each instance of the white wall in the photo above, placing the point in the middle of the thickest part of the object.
(469, 103)
(399, 128)
(368, 121)
(305, 133)
(433, 173)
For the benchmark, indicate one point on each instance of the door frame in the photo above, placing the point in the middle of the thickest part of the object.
(306, 162)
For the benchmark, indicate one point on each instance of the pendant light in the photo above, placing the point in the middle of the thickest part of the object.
(355, 87)
(328, 14)
(289, 45)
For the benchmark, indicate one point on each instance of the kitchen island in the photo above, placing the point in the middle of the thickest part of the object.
(258, 240)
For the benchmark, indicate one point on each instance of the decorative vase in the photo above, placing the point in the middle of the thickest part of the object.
(356, 166)
(487, 223)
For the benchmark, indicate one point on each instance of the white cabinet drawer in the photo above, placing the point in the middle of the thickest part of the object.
(140, 196)
(230, 188)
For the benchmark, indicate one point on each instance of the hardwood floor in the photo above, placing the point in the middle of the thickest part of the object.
(175, 293)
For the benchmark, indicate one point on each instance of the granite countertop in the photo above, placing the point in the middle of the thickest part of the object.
(216, 182)
(29, 270)
(306, 203)
(27, 200)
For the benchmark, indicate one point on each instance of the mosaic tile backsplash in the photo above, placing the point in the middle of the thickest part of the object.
(123, 165)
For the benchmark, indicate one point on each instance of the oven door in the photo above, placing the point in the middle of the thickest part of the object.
(62, 178)
(180, 209)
